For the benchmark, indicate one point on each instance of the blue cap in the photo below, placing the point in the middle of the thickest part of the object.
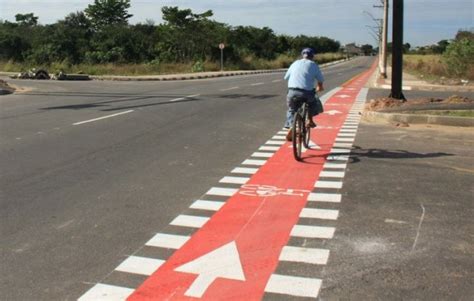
(307, 53)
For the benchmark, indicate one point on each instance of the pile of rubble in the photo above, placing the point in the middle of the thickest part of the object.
(43, 75)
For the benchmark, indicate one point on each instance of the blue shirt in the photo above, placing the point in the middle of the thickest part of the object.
(302, 75)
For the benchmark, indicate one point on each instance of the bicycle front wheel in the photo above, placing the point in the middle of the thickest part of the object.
(297, 133)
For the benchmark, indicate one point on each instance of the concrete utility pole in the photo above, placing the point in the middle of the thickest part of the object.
(383, 53)
(397, 50)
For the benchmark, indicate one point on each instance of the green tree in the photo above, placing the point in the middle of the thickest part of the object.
(26, 19)
(367, 49)
(108, 12)
(459, 57)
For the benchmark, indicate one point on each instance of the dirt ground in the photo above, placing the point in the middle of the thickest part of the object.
(384, 104)
(4, 86)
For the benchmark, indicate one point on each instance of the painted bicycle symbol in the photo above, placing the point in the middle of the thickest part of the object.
(267, 190)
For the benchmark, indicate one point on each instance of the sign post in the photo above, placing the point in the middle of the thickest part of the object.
(221, 47)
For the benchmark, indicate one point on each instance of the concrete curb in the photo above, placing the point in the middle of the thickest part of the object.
(185, 76)
(418, 119)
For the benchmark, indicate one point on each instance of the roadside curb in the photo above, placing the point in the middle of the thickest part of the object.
(186, 76)
(417, 119)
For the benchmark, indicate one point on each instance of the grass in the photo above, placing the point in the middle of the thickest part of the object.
(248, 63)
(430, 67)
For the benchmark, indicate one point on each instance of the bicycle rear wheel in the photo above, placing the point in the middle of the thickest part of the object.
(297, 133)
(306, 128)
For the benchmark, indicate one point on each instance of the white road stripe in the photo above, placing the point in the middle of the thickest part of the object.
(350, 127)
(324, 197)
(306, 255)
(256, 84)
(243, 170)
(228, 89)
(276, 80)
(319, 213)
(347, 130)
(340, 150)
(273, 142)
(207, 205)
(167, 241)
(328, 165)
(254, 162)
(333, 157)
(234, 180)
(345, 135)
(283, 132)
(269, 148)
(278, 137)
(332, 174)
(177, 99)
(140, 265)
(103, 117)
(222, 191)
(294, 286)
(328, 184)
(262, 155)
(338, 144)
(189, 221)
(345, 139)
(105, 292)
(312, 232)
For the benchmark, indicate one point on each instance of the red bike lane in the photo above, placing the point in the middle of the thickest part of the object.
(234, 254)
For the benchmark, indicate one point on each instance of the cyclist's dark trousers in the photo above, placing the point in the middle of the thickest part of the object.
(294, 100)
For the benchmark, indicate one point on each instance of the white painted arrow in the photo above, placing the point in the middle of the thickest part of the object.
(223, 262)
(333, 112)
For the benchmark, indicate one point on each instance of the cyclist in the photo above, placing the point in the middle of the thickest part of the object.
(302, 76)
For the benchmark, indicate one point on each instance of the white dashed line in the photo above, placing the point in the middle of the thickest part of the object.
(332, 174)
(256, 84)
(177, 99)
(306, 255)
(140, 265)
(294, 286)
(189, 221)
(167, 241)
(273, 142)
(234, 180)
(269, 148)
(254, 162)
(328, 165)
(228, 89)
(312, 231)
(319, 213)
(262, 155)
(244, 170)
(103, 117)
(222, 191)
(324, 197)
(276, 80)
(328, 184)
(207, 205)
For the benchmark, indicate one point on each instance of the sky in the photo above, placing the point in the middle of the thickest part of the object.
(426, 21)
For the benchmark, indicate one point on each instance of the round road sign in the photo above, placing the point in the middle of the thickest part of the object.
(221, 46)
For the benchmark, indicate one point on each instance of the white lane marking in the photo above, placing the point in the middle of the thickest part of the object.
(103, 117)
(346, 135)
(347, 130)
(244, 170)
(272, 142)
(276, 80)
(279, 137)
(319, 213)
(189, 221)
(345, 139)
(207, 205)
(419, 227)
(328, 184)
(338, 144)
(282, 132)
(262, 155)
(177, 99)
(167, 241)
(306, 255)
(234, 180)
(350, 127)
(294, 286)
(340, 150)
(332, 174)
(329, 94)
(333, 157)
(329, 165)
(394, 221)
(312, 231)
(105, 292)
(256, 84)
(228, 89)
(269, 148)
(222, 191)
(362, 96)
(140, 265)
(324, 197)
(254, 162)
(194, 95)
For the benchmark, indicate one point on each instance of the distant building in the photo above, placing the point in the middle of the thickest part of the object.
(353, 49)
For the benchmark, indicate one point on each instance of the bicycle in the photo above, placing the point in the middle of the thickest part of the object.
(301, 133)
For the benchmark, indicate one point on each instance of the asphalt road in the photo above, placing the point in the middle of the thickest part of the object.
(77, 198)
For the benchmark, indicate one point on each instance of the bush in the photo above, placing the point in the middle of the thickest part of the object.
(459, 57)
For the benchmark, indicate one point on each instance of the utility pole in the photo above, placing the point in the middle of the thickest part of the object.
(383, 60)
(397, 51)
